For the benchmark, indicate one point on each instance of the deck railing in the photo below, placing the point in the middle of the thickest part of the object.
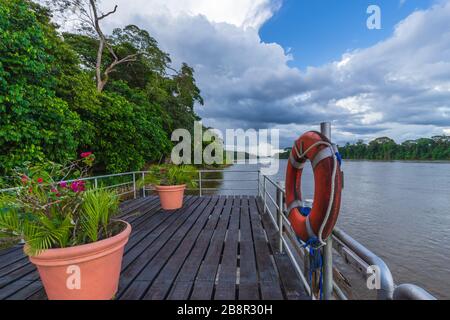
(272, 196)
(353, 254)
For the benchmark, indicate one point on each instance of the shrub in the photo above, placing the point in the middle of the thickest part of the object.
(171, 175)
(49, 212)
(35, 124)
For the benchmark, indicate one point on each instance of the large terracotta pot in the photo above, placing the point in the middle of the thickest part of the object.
(171, 197)
(86, 272)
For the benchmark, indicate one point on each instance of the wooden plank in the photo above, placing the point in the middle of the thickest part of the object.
(206, 277)
(185, 279)
(192, 245)
(150, 233)
(12, 288)
(226, 282)
(38, 295)
(181, 255)
(151, 270)
(168, 264)
(156, 241)
(136, 290)
(248, 281)
(6, 251)
(268, 276)
(137, 205)
(27, 291)
(16, 275)
(291, 284)
(11, 259)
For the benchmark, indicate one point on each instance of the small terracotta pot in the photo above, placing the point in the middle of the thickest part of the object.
(86, 272)
(171, 197)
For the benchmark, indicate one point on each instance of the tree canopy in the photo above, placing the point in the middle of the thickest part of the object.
(436, 148)
(50, 105)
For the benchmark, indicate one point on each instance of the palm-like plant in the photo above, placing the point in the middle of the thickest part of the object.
(48, 212)
(171, 175)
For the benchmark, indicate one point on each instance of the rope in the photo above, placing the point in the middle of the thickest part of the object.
(315, 262)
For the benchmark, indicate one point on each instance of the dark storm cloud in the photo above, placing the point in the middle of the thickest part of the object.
(399, 87)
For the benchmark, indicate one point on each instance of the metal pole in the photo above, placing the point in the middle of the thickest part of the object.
(265, 193)
(259, 183)
(143, 183)
(96, 183)
(325, 129)
(280, 218)
(134, 185)
(200, 184)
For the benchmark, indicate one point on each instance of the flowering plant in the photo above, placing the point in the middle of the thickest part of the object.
(50, 209)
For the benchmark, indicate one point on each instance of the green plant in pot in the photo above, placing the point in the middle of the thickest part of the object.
(70, 231)
(170, 181)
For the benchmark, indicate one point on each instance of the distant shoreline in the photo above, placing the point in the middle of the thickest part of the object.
(408, 161)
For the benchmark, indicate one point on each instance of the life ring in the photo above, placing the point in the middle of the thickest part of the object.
(316, 223)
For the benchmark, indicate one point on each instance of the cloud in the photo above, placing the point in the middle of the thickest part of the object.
(240, 13)
(399, 87)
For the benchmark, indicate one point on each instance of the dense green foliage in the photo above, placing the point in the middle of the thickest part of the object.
(34, 122)
(436, 148)
(50, 108)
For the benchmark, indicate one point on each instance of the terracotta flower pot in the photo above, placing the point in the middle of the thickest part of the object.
(86, 272)
(171, 197)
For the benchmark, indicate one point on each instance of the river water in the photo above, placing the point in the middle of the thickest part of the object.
(399, 210)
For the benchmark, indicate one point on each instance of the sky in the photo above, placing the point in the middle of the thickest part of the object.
(291, 64)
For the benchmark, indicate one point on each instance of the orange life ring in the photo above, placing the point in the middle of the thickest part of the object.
(325, 161)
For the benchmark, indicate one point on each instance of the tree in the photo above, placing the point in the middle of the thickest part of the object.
(90, 17)
(436, 148)
(35, 123)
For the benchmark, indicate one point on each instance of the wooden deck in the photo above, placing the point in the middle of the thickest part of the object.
(215, 248)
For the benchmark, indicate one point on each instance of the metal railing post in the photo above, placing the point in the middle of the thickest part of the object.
(134, 185)
(280, 218)
(200, 189)
(265, 192)
(259, 183)
(325, 129)
(96, 183)
(143, 185)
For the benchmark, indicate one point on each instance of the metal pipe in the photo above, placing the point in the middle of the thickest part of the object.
(339, 293)
(200, 191)
(328, 270)
(386, 291)
(259, 183)
(134, 185)
(265, 193)
(143, 183)
(280, 220)
(411, 292)
(325, 129)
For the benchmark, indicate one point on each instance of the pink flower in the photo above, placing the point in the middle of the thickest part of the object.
(86, 154)
(54, 190)
(24, 179)
(77, 186)
(63, 184)
(74, 186)
(40, 180)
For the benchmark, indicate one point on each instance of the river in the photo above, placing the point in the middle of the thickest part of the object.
(399, 210)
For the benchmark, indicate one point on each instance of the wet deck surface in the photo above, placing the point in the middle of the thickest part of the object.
(219, 248)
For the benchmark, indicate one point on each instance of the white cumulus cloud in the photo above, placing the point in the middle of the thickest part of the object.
(398, 87)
